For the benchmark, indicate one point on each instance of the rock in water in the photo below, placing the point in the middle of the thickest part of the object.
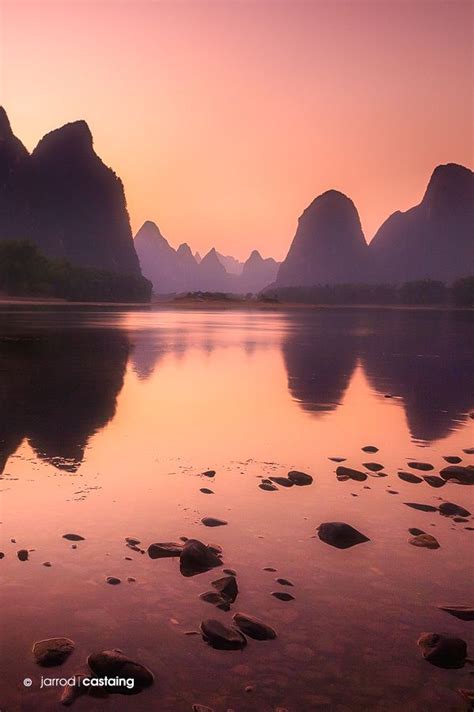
(73, 537)
(442, 650)
(449, 509)
(415, 532)
(282, 481)
(452, 459)
(340, 535)
(424, 466)
(209, 473)
(421, 507)
(283, 596)
(52, 651)
(284, 582)
(465, 613)
(221, 636)
(409, 477)
(424, 540)
(463, 475)
(113, 663)
(206, 490)
(299, 478)
(268, 487)
(253, 628)
(227, 588)
(196, 557)
(70, 692)
(163, 550)
(113, 580)
(373, 466)
(370, 448)
(434, 481)
(22, 554)
(213, 522)
(344, 473)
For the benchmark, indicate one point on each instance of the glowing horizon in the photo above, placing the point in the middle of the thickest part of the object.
(224, 120)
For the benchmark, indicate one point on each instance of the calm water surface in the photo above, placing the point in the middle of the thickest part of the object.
(109, 417)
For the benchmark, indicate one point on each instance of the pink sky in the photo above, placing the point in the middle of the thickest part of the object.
(224, 119)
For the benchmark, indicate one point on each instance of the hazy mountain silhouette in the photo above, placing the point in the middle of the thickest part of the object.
(329, 246)
(65, 199)
(213, 276)
(433, 240)
(232, 266)
(258, 273)
(58, 386)
(159, 261)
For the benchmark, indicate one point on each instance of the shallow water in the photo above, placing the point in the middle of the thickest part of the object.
(109, 417)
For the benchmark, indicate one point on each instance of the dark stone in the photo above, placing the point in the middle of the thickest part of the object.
(22, 554)
(284, 582)
(269, 568)
(426, 541)
(442, 650)
(227, 587)
(52, 651)
(345, 473)
(206, 490)
(209, 473)
(113, 663)
(409, 477)
(253, 627)
(424, 466)
(300, 478)
(434, 481)
(196, 558)
(452, 459)
(340, 535)
(283, 596)
(282, 481)
(338, 459)
(416, 532)
(449, 509)
(73, 537)
(229, 572)
(163, 550)
(221, 636)
(372, 466)
(132, 541)
(463, 475)
(421, 507)
(213, 522)
(113, 580)
(370, 448)
(268, 487)
(465, 613)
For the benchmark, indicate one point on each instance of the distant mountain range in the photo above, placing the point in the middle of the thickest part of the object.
(63, 198)
(179, 270)
(434, 240)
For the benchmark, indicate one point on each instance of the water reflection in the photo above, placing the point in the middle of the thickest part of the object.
(57, 387)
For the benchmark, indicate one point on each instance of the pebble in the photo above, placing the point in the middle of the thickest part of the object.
(113, 663)
(442, 650)
(205, 490)
(372, 466)
(196, 557)
(300, 479)
(164, 549)
(421, 507)
(73, 537)
(424, 466)
(268, 487)
(434, 481)
(52, 651)
(213, 522)
(113, 580)
(424, 540)
(449, 509)
(22, 554)
(465, 613)
(370, 448)
(284, 582)
(409, 477)
(283, 596)
(340, 535)
(221, 636)
(345, 473)
(253, 627)
(282, 481)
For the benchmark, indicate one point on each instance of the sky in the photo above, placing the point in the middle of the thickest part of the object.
(226, 118)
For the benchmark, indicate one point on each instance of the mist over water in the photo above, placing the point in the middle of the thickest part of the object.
(108, 418)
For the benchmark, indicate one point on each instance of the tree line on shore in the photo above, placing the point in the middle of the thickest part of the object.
(25, 271)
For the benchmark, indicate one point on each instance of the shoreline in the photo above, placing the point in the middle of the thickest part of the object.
(222, 304)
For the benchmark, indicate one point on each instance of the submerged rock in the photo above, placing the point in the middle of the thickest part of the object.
(206, 490)
(213, 522)
(370, 448)
(113, 663)
(424, 540)
(284, 582)
(209, 473)
(52, 651)
(196, 558)
(282, 481)
(73, 537)
(221, 636)
(465, 613)
(442, 650)
(70, 692)
(345, 473)
(113, 580)
(132, 541)
(340, 535)
(416, 532)
(449, 509)
(452, 459)
(409, 477)
(164, 549)
(434, 481)
(421, 507)
(424, 466)
(337, 459)
(268, 487)
(253, 627)
(372, 466)
(283, 596)
(462, 475)
(227, 588)
(300, 478)
(22, 554)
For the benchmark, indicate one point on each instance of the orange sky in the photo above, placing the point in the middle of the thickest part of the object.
(226, 118)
